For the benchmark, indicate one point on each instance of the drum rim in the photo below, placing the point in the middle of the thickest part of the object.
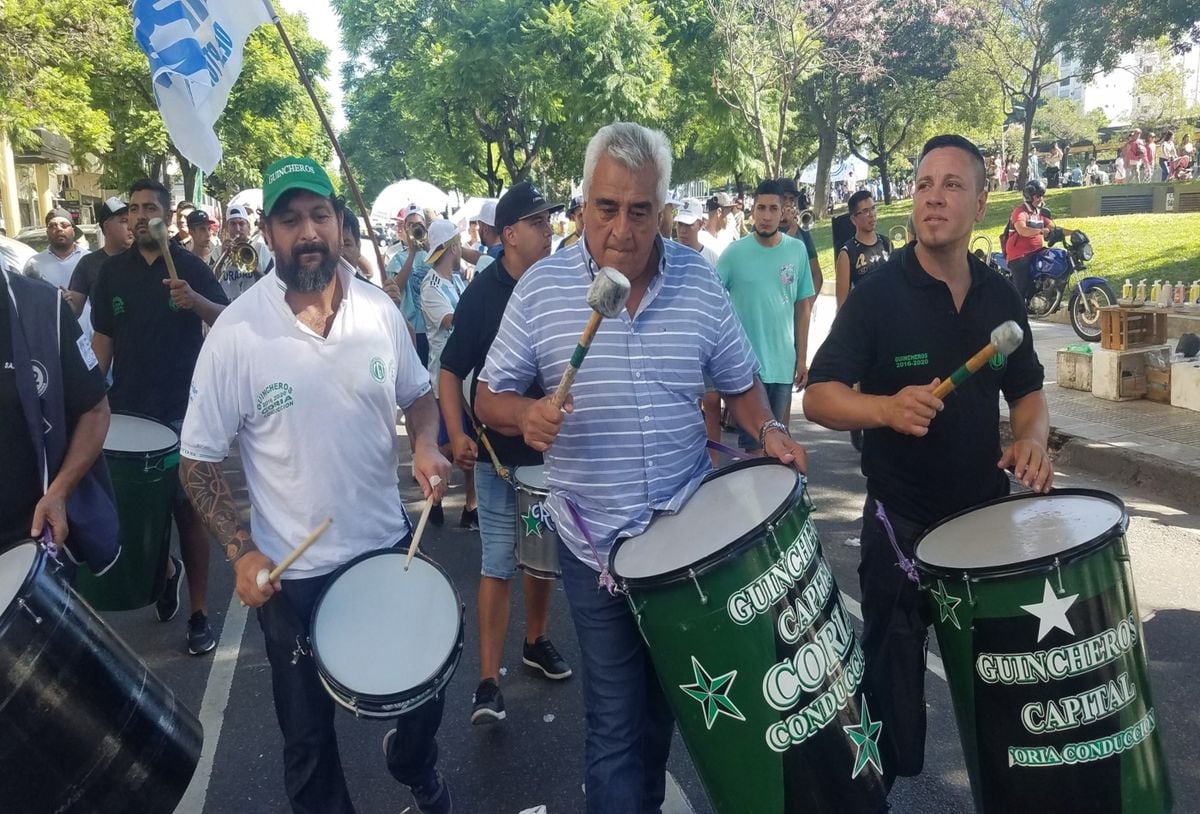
(728, 551)
(41, 559)
(144, 454)
(1067, 557)
(525, 487)
(450, 665)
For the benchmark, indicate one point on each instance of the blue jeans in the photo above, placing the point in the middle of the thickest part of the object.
(629, 724)
(779, 396)
(312, 767)
(497, 523)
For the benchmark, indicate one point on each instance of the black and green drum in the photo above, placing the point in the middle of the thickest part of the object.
(143, 461)
(754, 650)
(1032, 598)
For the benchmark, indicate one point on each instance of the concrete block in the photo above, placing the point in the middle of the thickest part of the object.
(1121, 375)
(1074, 370)
(1185, 385)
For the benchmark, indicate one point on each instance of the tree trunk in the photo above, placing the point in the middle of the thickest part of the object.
(886, 180)
(1026, 142)
(827, 135)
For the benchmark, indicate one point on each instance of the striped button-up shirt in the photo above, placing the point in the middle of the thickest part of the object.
(635, 443)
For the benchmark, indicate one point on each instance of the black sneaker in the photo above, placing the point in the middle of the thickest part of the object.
(470, 519)
(433, 798)
(543, 656)
(437, 516)
(489, 703)
(168, 601)
(200, 635)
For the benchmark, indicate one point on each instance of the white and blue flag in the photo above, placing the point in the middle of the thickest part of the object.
(195, 51)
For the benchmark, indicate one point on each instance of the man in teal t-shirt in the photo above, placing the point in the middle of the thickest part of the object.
(767, 276)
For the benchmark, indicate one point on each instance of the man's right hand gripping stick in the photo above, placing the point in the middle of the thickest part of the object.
(607, 295)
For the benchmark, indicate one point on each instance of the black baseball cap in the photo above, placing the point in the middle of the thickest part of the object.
(520, 202)
(789, 187)
(198, 217)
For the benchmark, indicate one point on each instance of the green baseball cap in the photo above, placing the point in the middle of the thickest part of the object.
(293, 173)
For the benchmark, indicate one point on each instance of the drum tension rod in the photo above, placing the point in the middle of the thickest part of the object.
(1058, 573)
(32, 613)
(298, 652)
(699, 590)
(967, 582)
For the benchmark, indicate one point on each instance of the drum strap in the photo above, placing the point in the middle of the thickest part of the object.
(606, 579)
(717, 446)
(906, 565)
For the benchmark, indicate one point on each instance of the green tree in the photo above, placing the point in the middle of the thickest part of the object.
(1064, 120)
(1099, 33)
(1159, 96)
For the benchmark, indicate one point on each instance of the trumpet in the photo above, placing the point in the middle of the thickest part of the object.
(242, 256)
(807, 219)
(898, 235)
(417, 234)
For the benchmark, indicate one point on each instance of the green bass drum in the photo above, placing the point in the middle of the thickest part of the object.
(755, 652)
(1032, 597)
(143, 461)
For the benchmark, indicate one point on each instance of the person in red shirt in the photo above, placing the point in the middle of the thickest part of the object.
(1030, 224)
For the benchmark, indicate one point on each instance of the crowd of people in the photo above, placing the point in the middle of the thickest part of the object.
(1139, 160)
(468, 332)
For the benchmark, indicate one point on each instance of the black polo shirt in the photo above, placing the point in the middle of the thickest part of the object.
(899, 327)
(476, 323)
(155, 345)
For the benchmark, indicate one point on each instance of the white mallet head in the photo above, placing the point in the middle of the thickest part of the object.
(158, 230)
(1007, 337)
(608, 292)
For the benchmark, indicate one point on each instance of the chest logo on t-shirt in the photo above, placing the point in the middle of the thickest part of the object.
(378, 369)
(273, 398)
(41, 378)
(912, 360)
(787, 274)
(118, 306)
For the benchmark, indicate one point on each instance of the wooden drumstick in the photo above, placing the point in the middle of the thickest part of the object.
(158, 231)
(264, 576)
(416, 540)
(1006, 338)
(607, 295)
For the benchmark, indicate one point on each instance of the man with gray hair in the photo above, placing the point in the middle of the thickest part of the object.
(629, 442)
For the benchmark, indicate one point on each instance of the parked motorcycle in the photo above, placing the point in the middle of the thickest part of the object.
(1053, 272)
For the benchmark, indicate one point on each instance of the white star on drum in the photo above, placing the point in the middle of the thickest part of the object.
(1052, 612)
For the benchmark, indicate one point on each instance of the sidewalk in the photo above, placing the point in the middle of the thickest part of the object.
(1140, 442)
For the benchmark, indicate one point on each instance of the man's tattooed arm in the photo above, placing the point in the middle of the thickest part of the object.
(209, 493)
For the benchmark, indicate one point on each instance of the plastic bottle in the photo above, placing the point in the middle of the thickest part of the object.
(1155, 290)
(1179, 292)
(1194, 293)
(1166, 295)
(1139, 296)
(1127, 291)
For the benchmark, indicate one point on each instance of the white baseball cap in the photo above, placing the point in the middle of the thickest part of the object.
(237, 212)
(408, 210)
(690, 211)
(441, 232)
(487, 213)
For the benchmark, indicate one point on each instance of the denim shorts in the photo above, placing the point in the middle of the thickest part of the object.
(497, 522)
(779, 396)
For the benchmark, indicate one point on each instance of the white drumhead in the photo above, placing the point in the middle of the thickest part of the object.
(1017, 531)
(724, 509)
(128, 433)
(15, 565)
(380, 630)
(532, 477)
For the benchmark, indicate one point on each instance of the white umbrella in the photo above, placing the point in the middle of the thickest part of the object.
(397, 194)
(249, 198)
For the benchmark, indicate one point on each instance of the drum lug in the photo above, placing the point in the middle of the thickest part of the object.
(298, 652)
(1058, 574)
(32, 613)
(699, 590)
(967, 583)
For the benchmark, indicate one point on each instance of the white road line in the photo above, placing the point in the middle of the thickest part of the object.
(932, 662)
(676, 801)
(216, 698)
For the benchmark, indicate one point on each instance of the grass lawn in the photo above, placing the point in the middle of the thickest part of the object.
(1127, 246)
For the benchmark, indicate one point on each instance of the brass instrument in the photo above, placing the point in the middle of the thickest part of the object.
(242, 256)
(417, 234)
(985, 253)
(899, 236)
(807, 219)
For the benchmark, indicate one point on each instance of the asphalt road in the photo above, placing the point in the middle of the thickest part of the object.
(535, 757)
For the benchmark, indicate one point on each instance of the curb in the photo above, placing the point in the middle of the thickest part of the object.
(1170, 481)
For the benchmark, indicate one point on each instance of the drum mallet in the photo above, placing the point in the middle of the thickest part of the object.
(1005, 339)
(607, 295)
(416, 540)
(501, 469)
(158, 231)
(264, 576)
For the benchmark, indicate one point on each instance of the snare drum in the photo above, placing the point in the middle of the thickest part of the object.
(85, 727)
(143, 461)
(1032, 599)
(386, 640)
(755, 652)
(537, 538)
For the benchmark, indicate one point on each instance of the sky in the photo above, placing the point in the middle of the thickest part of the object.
(323, 24)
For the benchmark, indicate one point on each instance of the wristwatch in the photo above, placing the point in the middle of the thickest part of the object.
(768, 425)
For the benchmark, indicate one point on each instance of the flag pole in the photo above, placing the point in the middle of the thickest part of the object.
(337, 147)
